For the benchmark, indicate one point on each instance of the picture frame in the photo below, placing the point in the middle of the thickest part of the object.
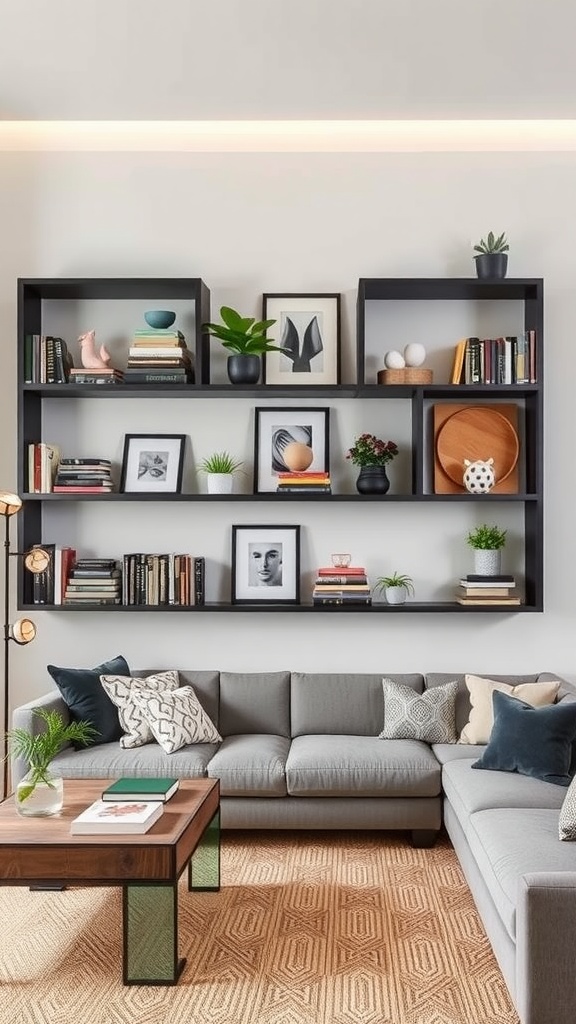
(152, 463)
(274, 428)
(265, 564)
(307, 328)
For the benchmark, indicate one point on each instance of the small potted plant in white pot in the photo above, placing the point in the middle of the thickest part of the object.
(245, 337)
(220, 469)
(396, 587)
(487, 542)
(492, 259)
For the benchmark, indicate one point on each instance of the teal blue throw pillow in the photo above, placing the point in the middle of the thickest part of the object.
(531, 741)
(87, 699)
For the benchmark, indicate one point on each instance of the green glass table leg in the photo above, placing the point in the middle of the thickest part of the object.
(150, 935)
(204, 867)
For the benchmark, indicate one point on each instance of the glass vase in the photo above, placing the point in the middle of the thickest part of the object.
(39, 794)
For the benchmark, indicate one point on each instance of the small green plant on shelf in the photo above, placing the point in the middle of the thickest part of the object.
(242, 335)
(221, 462)
(38, 750)
(369, 450)
(487, 538)
(492, 244)
(395, 580)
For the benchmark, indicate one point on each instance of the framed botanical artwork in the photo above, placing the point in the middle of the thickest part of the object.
(275, 429)
(265, 564)
(153, 462)
(307, 329)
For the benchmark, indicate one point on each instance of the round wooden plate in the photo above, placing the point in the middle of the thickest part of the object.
(477, 433)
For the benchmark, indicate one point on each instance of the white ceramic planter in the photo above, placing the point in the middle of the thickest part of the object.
(396, 595)
(487, 562)
(220, 483)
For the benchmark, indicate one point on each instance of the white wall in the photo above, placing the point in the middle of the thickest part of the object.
(253, 223)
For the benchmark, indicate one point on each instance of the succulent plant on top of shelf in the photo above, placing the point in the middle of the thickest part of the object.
(492, 243)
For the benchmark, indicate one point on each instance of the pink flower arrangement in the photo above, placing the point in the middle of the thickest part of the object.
(369, 450)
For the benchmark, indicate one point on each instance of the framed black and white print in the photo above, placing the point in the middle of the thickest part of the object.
(275, 429)
(265, 564)
(153, 462)
(307, 329)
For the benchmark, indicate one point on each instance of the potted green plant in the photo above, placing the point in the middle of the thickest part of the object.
(396, 587)
(487, 542)
(372, 455)
(220, 468)
(245, 337)
(492, 259)
(41, 791)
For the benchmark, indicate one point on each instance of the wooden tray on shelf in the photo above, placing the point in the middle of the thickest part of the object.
(475, 432)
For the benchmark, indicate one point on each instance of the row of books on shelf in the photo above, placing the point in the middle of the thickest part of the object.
(475, 589)
(342, 585)
(505, 360)
(144, 579)
(306, 482)
(46, 360)
(127, 806)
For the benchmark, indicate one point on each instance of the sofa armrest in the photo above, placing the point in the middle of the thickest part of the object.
(23, 717)
(545, 944)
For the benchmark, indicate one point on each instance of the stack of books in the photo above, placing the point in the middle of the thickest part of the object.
(104, 375)
(338, 585)
(94, 581)
(84, 476)
(163, 580)
(486, 590)
(46, 360)
(304, 483)
(159, 356)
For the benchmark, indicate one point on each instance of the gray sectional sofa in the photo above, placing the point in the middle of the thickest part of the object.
(301, 751)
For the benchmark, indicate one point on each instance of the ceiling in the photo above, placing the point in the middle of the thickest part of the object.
(253, 59)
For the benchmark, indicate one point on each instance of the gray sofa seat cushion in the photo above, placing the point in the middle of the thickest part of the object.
(111, 761)
(457, 751)
(254, 702)
(470, 791)
(361, 766)
(253, 765)
(510, 842)
(342, 703)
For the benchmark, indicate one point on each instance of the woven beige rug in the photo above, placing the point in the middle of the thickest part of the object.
(309, 928)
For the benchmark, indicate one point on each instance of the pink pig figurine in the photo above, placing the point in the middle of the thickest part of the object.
(90, 358)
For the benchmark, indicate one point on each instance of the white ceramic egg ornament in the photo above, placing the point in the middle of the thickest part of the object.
(414, 354)
(394, 360)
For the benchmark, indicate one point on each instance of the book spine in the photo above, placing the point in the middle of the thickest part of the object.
(199, 579)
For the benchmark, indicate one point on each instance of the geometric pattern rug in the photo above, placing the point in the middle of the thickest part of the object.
(308, 928)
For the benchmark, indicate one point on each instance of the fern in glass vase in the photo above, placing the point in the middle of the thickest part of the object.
(38, 750)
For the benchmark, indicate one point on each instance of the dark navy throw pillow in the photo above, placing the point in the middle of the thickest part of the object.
(87, 699)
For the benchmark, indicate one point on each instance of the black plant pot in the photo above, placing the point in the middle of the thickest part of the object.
(491, 265)
(244, 369)
(373, 480)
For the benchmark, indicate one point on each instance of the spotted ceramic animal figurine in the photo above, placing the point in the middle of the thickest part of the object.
(479, 477)
(91, 360)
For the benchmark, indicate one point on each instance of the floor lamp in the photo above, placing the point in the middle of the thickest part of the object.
(22, 631)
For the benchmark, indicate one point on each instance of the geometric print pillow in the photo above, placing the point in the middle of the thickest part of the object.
(176, 718)
(567, 821)
(122, 689)
(428, 716)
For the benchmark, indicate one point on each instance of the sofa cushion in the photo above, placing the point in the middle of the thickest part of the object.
(176, 718)
(481, 720)
(121, 690)
(341, 703)
(530, 741)
(567, 819)
(252, 765)
(83, 692)
(361, 766)
(427, 716)
(206, 685)
(457, 751)
(254, 702)
(509, 843)
(463, 705)
(111, 761)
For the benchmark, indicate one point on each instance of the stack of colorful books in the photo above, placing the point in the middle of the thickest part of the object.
(487, 590)
(342, 585)
(304, 483)
(104, 375)
(84, 476)
(159, 357)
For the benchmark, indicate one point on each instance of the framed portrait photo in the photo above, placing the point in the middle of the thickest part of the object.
(265, 564)
(275, 429)
(153, 462)
(307, 329)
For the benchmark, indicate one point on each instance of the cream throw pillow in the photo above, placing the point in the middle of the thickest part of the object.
(479, 725)
(176, 718)
(121, 690)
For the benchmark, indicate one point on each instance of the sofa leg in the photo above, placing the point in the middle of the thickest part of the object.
(423, 838)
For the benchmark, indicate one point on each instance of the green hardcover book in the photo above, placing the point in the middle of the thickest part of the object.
(141, 789)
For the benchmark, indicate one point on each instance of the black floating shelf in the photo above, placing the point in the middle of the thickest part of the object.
(280, 498)
(410, 607)
(262, 391)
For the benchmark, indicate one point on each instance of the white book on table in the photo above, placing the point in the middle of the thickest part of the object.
(121, 818)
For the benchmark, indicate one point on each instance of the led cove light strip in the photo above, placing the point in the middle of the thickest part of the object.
(289, 136)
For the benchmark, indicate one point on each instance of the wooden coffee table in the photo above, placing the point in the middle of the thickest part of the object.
(40, 852)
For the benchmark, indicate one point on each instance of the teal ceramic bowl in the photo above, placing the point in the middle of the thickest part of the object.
(160, 319)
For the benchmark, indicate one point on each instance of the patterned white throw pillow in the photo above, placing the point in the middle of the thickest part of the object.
(122, 689)
(176, 718)
(567, 820)
(428, 716)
